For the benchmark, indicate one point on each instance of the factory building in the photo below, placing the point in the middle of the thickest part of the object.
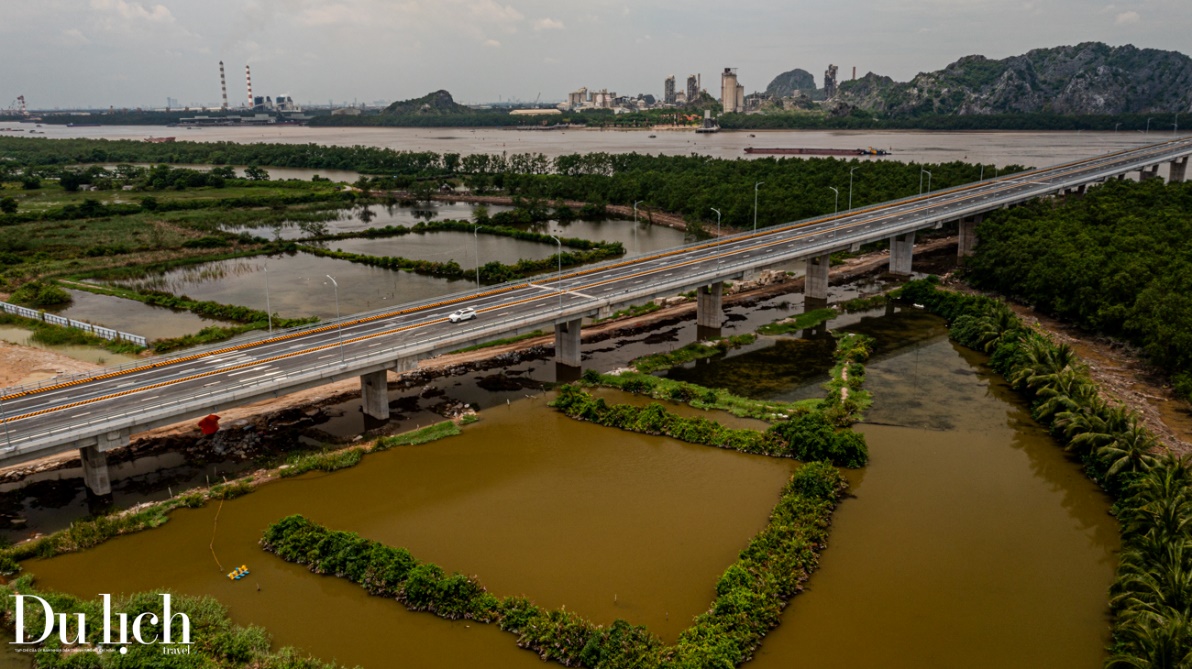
(732, 94)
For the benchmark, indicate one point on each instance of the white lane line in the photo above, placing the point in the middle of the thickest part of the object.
(80, 415)
(323, 357)
(258, 378)
(250, 370)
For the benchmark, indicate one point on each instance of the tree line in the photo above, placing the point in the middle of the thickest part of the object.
(1117, 261)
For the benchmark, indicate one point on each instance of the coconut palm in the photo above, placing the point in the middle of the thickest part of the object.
(1065, 391)
(1095, 426)
(1130, 451)
(1154, 642)
(1043, 360)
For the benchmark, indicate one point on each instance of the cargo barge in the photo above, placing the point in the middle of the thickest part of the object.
(817, 152)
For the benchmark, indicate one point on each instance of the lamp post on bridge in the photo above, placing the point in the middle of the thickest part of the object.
(268, 309)
(836, 205)
(4, 419)
(339, 323)
(1148, 126)
(755, 187)
(850, 188)
(559, 255)
(921, 171)
(636, 248)
(717, 236)
(476, 238)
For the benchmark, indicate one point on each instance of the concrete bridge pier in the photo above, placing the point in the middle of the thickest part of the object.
(815, 285)
(94, 454)
(902, 253)
(567, 344)
(709, 311)
(968, 235)
(374, 395)
(1178, 170)
(1151, 172)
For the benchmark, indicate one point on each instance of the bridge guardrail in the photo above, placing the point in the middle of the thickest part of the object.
(54, 319)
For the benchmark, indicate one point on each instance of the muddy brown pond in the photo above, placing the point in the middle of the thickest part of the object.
(969, 540)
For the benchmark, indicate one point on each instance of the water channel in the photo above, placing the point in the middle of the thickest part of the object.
(970, 540)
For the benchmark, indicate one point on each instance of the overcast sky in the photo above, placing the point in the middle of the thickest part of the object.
(68, 53)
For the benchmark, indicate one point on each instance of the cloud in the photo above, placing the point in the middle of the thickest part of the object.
(492, 43)
(548, 24)
(73, 37)
(134, 11)
(1126, 18)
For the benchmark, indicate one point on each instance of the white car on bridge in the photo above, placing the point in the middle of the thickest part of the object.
(465, 314)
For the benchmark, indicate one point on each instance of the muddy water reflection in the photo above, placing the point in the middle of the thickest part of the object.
(609, 524)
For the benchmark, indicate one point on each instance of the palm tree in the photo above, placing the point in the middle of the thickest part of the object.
(1130, 451)
(1043, 360)
(1154, 642)
(994, 326)
(1095, 426)
(1065, 391)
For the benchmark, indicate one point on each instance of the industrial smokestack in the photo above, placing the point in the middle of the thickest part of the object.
(854, 73)
(248, 81)
(223, 86)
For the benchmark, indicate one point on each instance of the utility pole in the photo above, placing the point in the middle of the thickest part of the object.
(836, 205)
(339, 323)
(636, 249)
(717, 236)
(850, 188)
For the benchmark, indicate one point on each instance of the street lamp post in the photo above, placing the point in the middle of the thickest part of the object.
(850, 188)
(1175, 127)
(921, 171)
(1115, 127)
(755, 187)
(476, 237)
(1148, 126)
(559, 255)
(636, 249)
(4, 419)
(339, 323)
(836, 204)
(717, 236)
(268, 309)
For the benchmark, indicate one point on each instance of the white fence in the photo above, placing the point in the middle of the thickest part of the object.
(105, 333)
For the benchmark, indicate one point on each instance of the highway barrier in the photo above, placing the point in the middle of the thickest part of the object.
(102, 332)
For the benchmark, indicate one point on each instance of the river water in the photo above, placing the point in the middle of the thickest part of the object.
(969, 539)
(999, 148)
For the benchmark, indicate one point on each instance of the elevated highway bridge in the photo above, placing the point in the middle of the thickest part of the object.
(98, 412)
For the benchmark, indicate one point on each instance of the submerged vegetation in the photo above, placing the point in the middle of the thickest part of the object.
(750, 595)
(1151, 488)
(694, 351)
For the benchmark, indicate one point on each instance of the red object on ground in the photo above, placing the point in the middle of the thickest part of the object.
(209, 425)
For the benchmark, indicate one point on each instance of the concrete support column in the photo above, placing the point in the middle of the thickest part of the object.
(374, 394)
(1151, 172)
(1179, 169)
(815, 286)
(567, 343)
(95, 470)
(968, 235)
(902, 251)
(708, 310)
